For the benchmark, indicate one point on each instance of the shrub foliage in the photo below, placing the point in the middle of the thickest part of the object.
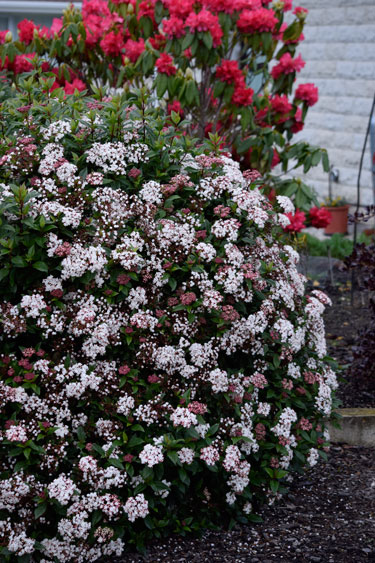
(162, 368)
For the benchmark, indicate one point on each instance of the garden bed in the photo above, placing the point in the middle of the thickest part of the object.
(343, 322)
(327, 516)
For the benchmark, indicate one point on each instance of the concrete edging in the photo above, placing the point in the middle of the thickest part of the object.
(357, 427)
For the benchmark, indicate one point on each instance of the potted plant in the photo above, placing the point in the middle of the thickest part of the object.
(338, 209)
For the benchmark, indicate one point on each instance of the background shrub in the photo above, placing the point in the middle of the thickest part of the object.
(162, 368)
(227, 67)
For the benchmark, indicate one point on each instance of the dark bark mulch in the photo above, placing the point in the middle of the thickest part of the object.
(328, 516)
(344, 321)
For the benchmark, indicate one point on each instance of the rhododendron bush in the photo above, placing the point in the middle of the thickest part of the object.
(162, 368)
(227, 67)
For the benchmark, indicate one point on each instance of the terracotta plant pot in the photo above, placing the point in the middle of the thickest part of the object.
(339, 221)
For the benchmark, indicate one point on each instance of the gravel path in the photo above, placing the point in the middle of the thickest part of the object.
(328, 516)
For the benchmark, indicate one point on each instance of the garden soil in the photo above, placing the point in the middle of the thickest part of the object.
(328, 515)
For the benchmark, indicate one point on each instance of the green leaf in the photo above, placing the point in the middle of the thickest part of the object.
(135, 441)
(147, 62)
(219, 88)
(40, 509)
(173, 457)
(96, 517)
(161, 85)
(316, 158)
(245, 145)
(207, 40)
(274, 485)
(41, 266)
(191, 92)
(19, 262)
(325, 161)
(293, 31)
(116, 463)
(172, 283)
(184, 477)
(188, 40)
(4, 272)
(81, 434)
(99, 450)
(255, 518)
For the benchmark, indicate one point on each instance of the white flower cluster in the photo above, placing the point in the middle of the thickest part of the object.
(115, 158)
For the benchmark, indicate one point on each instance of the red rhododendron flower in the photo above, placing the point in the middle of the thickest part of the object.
(287, 65)
(97, 19)
(308, 93)
(288, 5)
(112, 44)
(181, 8)
(26, 31)
(229, 71)
(299, 11)
(2, 36)
(94, 26)
(56, 26)
(174, 27)
(275, 158)
(220, 6)
(297, 122)
(297, 221)
(176, 107)
(165, 65)
(77, 84)
(242, 96)
(134, 49)
(96, 7)
(22, 63)
(158, 42)
(281, 104)
(320, 217)
(205, 21)
(257, 21)
(146, 9)
(247, 4)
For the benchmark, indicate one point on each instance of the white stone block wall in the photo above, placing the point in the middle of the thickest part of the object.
(339, 50)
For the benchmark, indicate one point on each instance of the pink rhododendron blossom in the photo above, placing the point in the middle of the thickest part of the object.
(320, 217)
(112, 44)
(205, 21)
(287, 65)
(297, 221)
(165, 65)
(134, 49)
(26, 31)
(174, 27)
(257, 21)
(307, 93)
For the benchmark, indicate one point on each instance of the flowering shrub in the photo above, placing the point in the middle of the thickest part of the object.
(227, 67)
(162, 368)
